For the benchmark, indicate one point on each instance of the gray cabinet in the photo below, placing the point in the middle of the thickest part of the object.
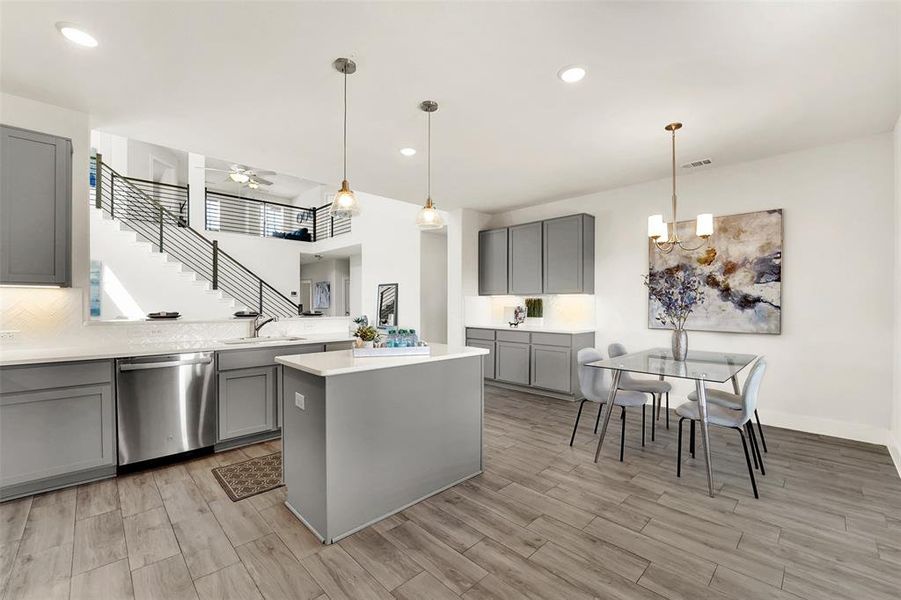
(57, 426)
(552, 368)
(35, 208)
(247, 401)
(536, 361)
(568, 256)
(524, 259)
(493, 262)
(488, 359)
(249, 390)
(512, 362)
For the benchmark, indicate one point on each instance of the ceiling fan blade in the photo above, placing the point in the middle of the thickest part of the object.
(265, 173)
(214, 169)
(261, 181)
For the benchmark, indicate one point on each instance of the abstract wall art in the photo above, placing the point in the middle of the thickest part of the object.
(741, 270)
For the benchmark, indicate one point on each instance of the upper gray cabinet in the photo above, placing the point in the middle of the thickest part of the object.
(493, 262)
(35, 208)
(569, 255)
(524, 257)
(548, 257)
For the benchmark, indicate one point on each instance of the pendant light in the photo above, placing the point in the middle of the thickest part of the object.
(429, 217)
(664, 235)
(345, 204)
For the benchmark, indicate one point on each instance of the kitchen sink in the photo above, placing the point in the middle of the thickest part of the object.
(263, 339)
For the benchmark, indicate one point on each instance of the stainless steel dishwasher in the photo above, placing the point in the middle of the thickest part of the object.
(166, 405)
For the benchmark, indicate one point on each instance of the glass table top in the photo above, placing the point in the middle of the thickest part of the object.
(718, 367)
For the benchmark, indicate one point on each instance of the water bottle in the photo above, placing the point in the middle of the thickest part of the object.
(392, 338)
(414, 339)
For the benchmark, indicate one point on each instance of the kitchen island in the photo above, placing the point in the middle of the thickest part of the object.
(364, 438)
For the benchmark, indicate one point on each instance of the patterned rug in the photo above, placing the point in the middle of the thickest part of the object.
(251, 477)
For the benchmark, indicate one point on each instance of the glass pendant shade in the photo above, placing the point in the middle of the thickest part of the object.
(655, 226)
(345, 204)
(429, 217)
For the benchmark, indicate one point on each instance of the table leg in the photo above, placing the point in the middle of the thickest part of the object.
(735, 389)
(705, 438)
(608, 409)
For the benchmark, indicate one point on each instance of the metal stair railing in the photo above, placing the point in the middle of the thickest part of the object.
(121, 199)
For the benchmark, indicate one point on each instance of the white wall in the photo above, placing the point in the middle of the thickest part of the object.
(831, 368)
(46, 118)
(463, 227)
(895, 445)
(433, 286)
(356, 292)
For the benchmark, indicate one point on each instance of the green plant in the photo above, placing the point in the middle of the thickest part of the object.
(534, 308)
(367, 333)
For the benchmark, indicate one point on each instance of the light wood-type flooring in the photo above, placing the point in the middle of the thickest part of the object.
(543, 521)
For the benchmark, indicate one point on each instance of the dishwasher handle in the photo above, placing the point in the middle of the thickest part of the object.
(205, 360)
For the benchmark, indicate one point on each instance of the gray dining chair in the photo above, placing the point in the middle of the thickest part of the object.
(733, 401)
(655, 388)
(735, 418)
(596, 388)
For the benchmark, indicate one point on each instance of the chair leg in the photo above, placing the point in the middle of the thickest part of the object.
(622, 436)
(597, 421)
(578, 416)
(642, 423)
(691, 441)
(748, 430)
(756, 446)
(667, 410)
(748, 461)
(653, 417)
(679, 451)
(760, 429)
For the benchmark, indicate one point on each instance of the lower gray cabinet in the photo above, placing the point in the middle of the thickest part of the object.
(552, 368)
(512, 362)
(247, 401)
(57, 426)
(488, 359)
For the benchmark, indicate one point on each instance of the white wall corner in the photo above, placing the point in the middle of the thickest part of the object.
(895, 441)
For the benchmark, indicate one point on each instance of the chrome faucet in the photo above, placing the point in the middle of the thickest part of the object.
(257, 324)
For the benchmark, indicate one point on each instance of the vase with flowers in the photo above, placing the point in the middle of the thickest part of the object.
(534, 312)
(677, 290)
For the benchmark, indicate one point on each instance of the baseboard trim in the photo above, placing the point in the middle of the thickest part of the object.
(56, 482)
(894, 448)
(831, 427)
(532, 390)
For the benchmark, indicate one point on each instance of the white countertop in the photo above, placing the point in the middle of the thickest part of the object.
(536, 328)
(25, 356)
(341, 362)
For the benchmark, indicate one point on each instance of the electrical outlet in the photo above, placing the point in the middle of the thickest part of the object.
(9, 336)
(299, 400)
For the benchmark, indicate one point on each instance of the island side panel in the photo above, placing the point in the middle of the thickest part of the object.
(398, 435)
(303, 448)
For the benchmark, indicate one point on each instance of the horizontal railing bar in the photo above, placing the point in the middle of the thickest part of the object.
(170, 185)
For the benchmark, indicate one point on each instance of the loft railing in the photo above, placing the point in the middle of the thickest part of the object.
(120, 198)
(262, 218)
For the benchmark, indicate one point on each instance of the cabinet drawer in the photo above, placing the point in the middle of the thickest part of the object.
(333, 346)
(47, 376)
(479, 334)
(261, 357)
(552, 339)
(520, 337)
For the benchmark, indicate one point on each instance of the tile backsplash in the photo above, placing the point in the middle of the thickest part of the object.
(38, 317)
(560, 310)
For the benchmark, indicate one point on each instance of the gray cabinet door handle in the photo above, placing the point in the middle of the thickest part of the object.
(163, 365)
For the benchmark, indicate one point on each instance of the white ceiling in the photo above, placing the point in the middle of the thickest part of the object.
(253, 81)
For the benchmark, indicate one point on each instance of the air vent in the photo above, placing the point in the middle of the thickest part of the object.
(697, 163)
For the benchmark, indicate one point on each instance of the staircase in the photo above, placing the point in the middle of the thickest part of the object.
(166, 233)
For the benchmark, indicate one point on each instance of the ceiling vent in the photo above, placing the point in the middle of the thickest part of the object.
(697, 163)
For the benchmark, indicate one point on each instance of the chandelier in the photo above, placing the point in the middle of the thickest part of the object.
(665, 236)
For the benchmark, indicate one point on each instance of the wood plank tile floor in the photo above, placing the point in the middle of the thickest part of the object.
(543, 521)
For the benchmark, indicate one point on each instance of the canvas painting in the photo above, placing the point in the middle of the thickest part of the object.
(741, 270)
(321, 295)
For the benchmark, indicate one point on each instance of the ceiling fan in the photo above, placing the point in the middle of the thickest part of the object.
(244, 175)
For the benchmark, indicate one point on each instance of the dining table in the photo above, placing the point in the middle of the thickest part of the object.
(701, 366)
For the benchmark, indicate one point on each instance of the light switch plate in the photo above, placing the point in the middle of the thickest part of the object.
(299, 400)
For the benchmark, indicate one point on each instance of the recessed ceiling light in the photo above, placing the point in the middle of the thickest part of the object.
(76, 35)
(571, 74)
(408, 151)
